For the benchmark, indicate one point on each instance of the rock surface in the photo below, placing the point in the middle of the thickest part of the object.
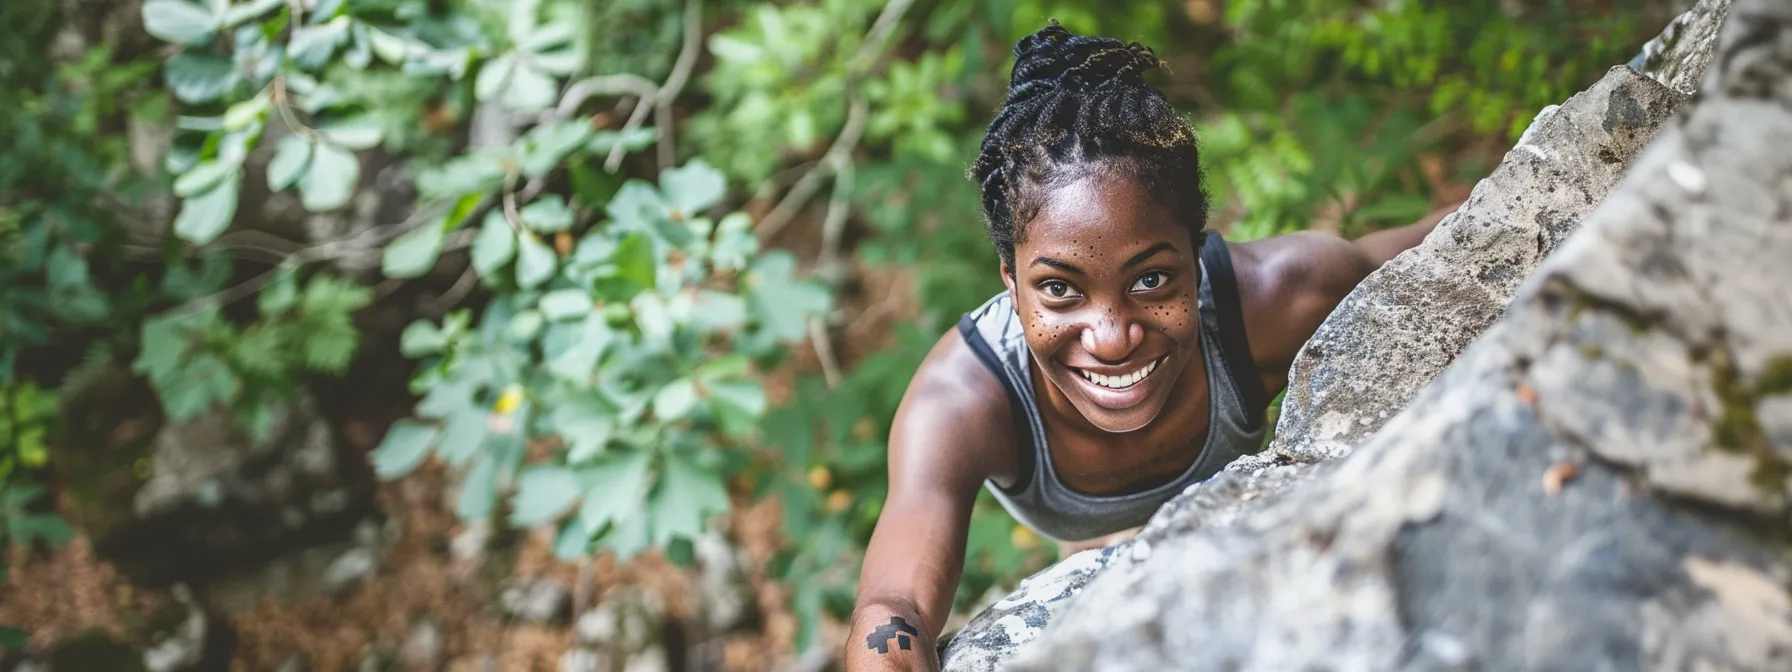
(1407, 321)
(1599, 483)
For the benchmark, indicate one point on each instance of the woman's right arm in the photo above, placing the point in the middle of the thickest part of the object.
(947, 438)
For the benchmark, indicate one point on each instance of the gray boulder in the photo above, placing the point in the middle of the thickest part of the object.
(1599, 482)
(1407, 321)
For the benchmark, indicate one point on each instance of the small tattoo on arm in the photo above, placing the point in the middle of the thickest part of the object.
(880, 638)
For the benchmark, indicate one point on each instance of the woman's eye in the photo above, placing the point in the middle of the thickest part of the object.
(1151, 280)
(1056, 290)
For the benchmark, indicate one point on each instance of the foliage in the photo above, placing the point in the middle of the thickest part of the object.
(607, 373)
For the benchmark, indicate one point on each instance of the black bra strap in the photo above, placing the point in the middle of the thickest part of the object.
(1237, 349)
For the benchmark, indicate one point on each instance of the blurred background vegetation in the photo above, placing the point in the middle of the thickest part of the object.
(619, 275)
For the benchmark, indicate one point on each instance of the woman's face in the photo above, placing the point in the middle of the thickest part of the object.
(1105, 283)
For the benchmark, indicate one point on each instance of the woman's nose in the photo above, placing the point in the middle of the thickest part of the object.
(1111, 338)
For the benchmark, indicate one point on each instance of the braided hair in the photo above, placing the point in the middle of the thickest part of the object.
(1078, 106)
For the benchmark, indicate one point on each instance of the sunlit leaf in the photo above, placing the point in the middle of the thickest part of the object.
(614, 490)
(405, 446)
(547, 214)
(543, 493)
(687, 496)
(179, 21)
(535, 262)
(564, 304)
(291, 157)
(361, 131)
(675, 400)
(479, 490)
(330, 179)
(693, 187)
(495, 245)
(203, 177)
(197, 78)
(494, 76)
(421, 338)
(205, 216)
(413, 253)
(530, 89)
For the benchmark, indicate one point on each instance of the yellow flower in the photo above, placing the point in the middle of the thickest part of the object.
(509, 400)
(839, 500)
(1023, 537)
(819, 478)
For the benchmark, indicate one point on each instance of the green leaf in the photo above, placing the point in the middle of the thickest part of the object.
(405, 446)
(239, 116)
(628, 537)
(421, 338)
(200, 384)
(479, 492)
(362, 131)
(549, 143)
(546, 38)
(495, 246)
(291, 157)
(524, 326)
(745, 396)
(548, 214)
(330, 179)
(205, 216)
(675, 400)
(614, 490)
(179, 21)
(569, 545)
(563, 304)
(718, 311)
(687, 496)
(413, 253)
(587, 422)
(781, 302)
(477, 171)
(734, 243)
(543, 493)
(464, 432)
(203, 177)
(535, 262)
(311, 46)
(280, 295)
(390, 48)
(10, 637)
(530, 89)
(237, 14)
(578, 361)
(634, 140)
(593, 187)
(564, 62)
(634, 261)
(199, 78)
(693, 188)
(493, 76)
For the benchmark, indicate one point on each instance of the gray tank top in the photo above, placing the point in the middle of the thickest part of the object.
(1237, 400)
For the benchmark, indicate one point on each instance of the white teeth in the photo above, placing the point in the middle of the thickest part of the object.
(1121, 381)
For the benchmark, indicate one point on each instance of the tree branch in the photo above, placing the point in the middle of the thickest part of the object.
(681, 72)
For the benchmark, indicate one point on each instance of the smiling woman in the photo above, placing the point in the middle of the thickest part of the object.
(1133, 353)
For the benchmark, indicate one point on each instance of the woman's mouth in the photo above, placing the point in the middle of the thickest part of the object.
(1121, 381)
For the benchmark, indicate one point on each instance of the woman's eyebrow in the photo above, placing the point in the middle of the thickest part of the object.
(1064, 266)
(1147, 254)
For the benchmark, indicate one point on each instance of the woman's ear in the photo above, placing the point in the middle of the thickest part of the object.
(1008, 279)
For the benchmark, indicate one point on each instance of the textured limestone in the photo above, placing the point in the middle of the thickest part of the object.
(1407, 321)
(1599, 483)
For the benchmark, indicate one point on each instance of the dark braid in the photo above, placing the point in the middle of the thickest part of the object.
(1078, 104)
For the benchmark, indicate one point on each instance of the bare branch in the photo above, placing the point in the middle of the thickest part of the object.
(681, 72)
(604, 85)
(810, 182)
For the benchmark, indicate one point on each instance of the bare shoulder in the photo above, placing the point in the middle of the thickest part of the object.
(955, 423)
(1287, 286)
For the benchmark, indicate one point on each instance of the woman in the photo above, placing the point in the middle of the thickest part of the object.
(1132, 354)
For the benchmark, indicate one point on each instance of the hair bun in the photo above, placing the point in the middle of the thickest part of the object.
(1054, 59)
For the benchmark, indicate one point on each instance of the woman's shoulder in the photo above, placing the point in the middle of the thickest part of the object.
(955, 405)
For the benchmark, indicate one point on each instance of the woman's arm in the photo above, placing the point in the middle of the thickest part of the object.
(947, 437)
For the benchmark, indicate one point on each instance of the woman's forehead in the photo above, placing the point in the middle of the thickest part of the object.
(1097, 217)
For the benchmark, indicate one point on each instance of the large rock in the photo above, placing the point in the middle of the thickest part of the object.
(1407, 321)
(1600, 482)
